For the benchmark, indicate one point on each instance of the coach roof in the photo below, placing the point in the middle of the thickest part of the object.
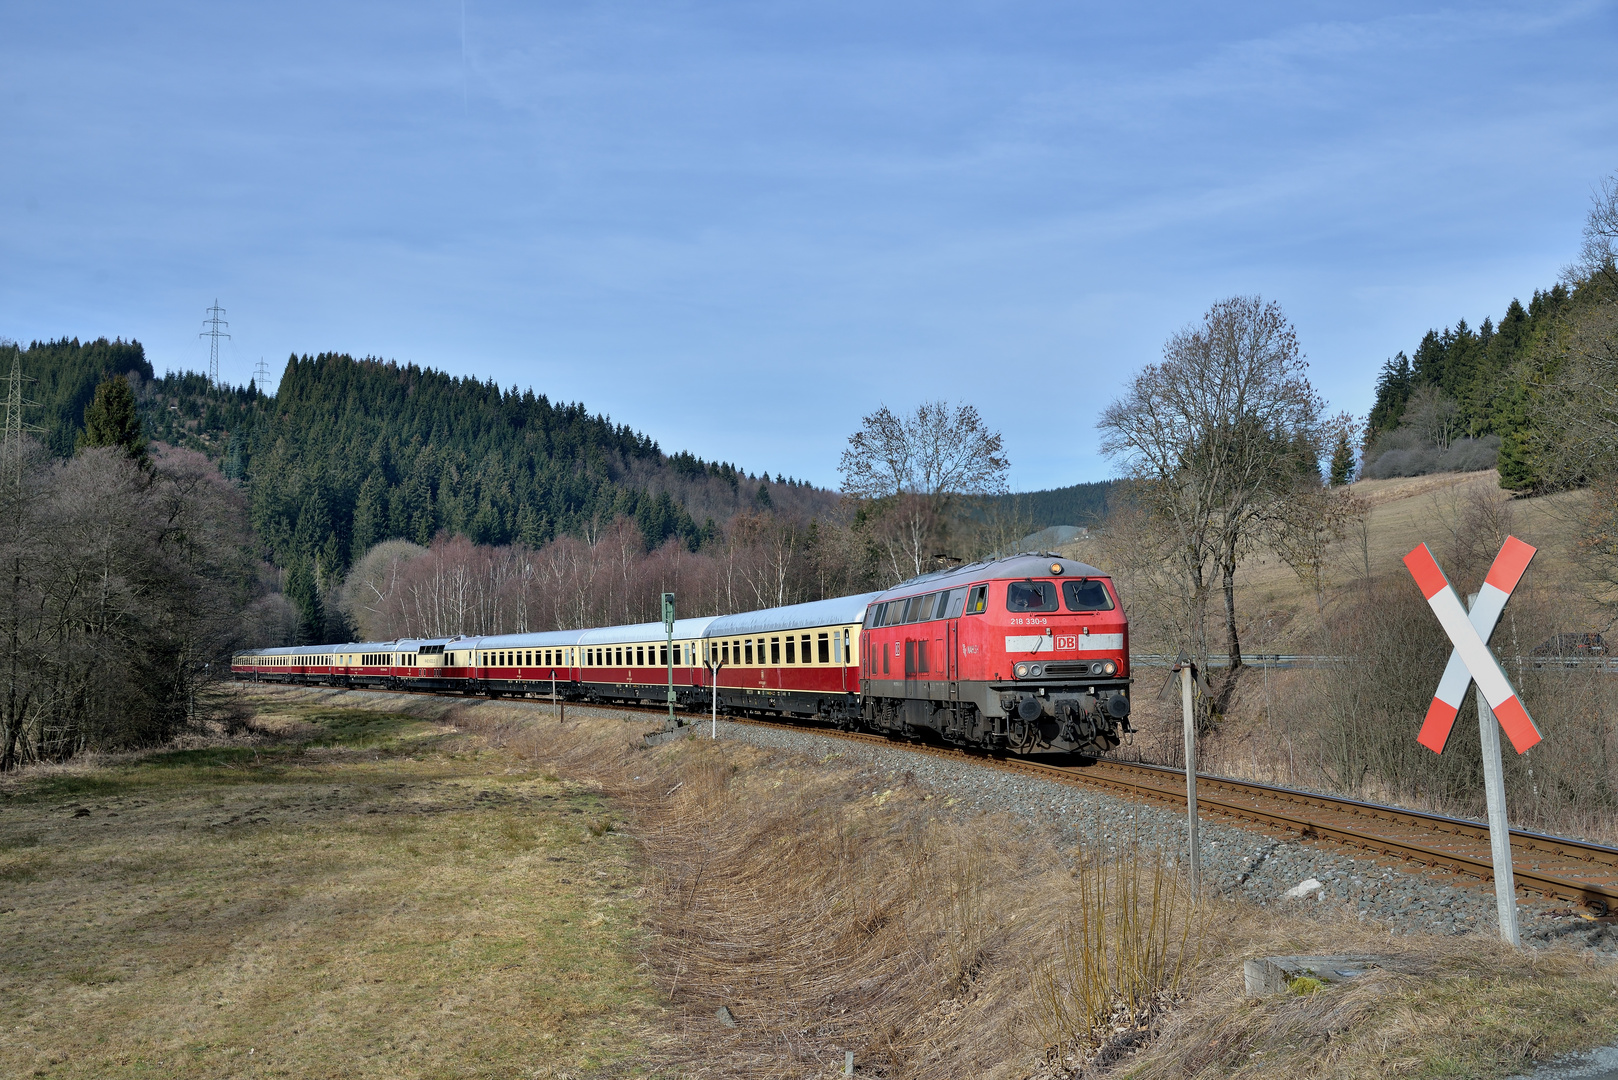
(834, 612)
(1031, 564)
(684, 629)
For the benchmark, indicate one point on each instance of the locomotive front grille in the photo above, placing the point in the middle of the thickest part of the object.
(1058, 668)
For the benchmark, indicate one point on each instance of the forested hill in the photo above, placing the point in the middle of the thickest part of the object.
(1079, 504)
(349, 452)
(1474, 398)
(62, 377)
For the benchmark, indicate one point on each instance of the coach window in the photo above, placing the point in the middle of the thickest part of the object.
(792, 650)
(825, 649)
(775, 650)
(747, 649)
(837, 647)
(1031, 596)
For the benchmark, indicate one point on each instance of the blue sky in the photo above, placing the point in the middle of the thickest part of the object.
(741, 227)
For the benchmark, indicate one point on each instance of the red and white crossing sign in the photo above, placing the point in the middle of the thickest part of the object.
(1471, 659)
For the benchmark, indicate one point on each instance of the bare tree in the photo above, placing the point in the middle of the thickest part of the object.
(1574, 437)
(915, 466)
(1210, 437)
(1301, 526)
(1433, 415)
(1598, 254)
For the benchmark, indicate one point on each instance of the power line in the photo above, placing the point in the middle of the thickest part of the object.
(214, 334)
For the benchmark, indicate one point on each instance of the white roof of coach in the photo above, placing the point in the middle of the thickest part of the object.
(544, 639)
(833, 612)
(684, 629)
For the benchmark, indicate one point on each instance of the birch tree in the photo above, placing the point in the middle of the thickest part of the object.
(916, 466)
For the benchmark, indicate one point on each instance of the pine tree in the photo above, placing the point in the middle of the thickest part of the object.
(1342, 461)
(110, 420)
(304, 592)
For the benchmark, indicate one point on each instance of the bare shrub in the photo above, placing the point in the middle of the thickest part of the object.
(1123, 951)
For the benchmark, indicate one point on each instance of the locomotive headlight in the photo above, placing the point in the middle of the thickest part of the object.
(1109, 668)
(1022, 671)
(1033, 671)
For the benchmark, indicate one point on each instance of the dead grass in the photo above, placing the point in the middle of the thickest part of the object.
(1441, 1007)
(371, 894)
(827, 913)
(456, 898)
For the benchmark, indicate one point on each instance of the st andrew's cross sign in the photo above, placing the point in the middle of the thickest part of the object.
(1471, 658)
(1470, 661)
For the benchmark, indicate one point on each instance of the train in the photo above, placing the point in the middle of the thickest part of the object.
(1027, 655)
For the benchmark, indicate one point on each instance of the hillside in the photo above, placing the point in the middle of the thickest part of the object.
(1077, 504)
(1279, 615)
(349, 452)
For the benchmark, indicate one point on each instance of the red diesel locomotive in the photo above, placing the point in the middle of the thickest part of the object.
(1029, 654)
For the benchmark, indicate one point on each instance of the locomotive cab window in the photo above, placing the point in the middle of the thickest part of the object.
(977, 600)
(1031, 596)
(1086, 594)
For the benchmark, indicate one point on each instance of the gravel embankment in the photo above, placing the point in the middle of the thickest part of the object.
(1251, 865)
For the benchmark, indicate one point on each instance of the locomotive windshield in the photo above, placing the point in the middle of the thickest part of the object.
(1086, 594)
(1031, 596)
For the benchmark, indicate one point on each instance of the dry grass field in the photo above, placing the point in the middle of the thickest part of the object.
(361, 893)
(388, 886)
(830, 915)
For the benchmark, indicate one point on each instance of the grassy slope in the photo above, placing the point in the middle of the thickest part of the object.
(1278, 613)
(371, 895)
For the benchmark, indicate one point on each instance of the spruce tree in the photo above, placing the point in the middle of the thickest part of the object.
(1342, 461)
(304, 592)
(110, 420)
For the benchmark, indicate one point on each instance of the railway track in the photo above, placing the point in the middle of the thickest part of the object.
(1554, 867)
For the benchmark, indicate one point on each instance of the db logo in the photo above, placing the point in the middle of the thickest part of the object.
(1071, 641)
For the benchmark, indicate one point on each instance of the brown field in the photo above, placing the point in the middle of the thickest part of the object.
(361, 892)
(387, 886)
